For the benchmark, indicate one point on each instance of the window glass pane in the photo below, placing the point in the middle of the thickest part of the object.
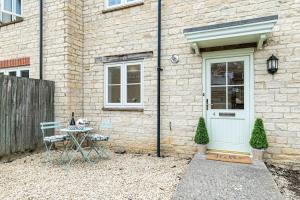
(114, 2)
(218, 71)
(114, 94)
(25, 73)
(114, 85)
(114, 75)
(128, 1)
(236, 73)
(133, 74)
(134, 93)
(18, 7)
(218, 97)
(1, 73)
(6, 18)
(236, 97)
(13, 73)
(8, 5)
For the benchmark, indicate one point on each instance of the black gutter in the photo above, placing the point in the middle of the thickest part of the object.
(158, 75)
(41, 39)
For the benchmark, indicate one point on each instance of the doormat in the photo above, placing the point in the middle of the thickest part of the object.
(229, 158)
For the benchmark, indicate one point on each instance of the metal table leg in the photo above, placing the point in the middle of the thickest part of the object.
(78, 146)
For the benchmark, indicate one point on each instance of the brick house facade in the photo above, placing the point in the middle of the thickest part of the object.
(82, 39)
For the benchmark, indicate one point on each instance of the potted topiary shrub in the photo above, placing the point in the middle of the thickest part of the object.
(258, 140)
(201, 137)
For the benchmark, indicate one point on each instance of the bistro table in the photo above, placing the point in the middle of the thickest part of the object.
(77, 142)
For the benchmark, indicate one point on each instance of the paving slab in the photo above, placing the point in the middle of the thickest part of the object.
(212, 180)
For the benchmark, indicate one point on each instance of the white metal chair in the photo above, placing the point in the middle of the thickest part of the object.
(49, 141)
(97, 140)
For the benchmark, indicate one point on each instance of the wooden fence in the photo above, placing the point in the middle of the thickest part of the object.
(24, 103)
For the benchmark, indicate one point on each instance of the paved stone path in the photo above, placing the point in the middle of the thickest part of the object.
(214, 180)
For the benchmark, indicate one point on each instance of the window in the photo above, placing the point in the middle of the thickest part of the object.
(12, 73)
(124, 85)
(15, 72)
(24, 73)
(11, 10)
(115, 3)
(227, 85)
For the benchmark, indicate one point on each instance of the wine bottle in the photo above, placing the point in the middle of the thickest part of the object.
(72, 123)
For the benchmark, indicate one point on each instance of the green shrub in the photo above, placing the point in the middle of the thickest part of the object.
(259, 138)
(201, 136)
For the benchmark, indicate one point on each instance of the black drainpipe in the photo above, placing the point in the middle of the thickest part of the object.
(158, 75)
(41, 39)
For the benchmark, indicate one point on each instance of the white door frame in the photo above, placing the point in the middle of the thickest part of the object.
(223, 54)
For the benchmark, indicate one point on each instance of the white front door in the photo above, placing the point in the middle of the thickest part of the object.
(228, 103)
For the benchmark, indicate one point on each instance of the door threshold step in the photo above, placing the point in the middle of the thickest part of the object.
(229, 157)
(228, 152)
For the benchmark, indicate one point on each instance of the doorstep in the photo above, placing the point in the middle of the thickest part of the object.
(229, 157)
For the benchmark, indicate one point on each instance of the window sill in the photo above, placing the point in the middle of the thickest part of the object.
(10, 23)
(124, 109)
(115, 8)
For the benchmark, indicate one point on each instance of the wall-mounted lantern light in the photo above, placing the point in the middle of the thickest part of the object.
(272, 64)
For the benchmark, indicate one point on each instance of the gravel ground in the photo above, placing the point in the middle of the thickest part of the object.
(124, 176)
(287, 180)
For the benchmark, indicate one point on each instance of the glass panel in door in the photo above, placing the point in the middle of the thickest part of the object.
(236, 97)
(218, 74)
(235, 73)
(227, 85)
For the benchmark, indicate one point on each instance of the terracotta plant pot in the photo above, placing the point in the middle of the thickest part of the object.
(258, 154)
(202, 148)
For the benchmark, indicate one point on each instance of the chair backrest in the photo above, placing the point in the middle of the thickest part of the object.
(105, 127)
(49, 125)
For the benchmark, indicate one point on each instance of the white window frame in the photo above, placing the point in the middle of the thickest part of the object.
(14, 8)
(123, 85)
(17, 70)
(123, 3)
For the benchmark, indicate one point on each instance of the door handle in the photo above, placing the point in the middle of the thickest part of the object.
(208, 104)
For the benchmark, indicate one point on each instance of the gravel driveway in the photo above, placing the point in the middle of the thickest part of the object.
(122, 177)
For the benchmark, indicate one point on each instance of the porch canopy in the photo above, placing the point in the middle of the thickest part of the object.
(231, 33)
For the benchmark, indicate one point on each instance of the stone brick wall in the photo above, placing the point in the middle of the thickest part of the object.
(63, 45)
(77, 31)
(277, 97)
(130, 30)
(20, 40)
(134, 30)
